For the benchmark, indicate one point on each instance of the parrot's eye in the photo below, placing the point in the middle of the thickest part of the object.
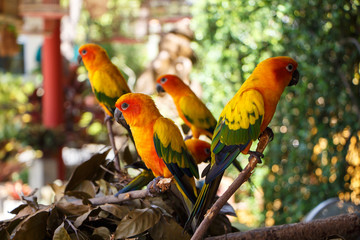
(124, 106)
(289, 67)
(163, 80)
(207, 150)
(83, 52)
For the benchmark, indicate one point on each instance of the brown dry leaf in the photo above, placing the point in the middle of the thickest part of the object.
(102, 232)
(24, 211)
(4, 235)
(61, 233)
(86, 171)
(116, 210)
(54, 220)
(18, 209)
(79, 220)
(69, 208)
(137, 221)
(58, 190)
(32, 227)
(168, 229)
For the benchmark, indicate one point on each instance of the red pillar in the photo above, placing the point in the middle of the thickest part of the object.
(52, 100)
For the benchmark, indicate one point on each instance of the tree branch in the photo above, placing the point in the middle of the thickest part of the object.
(163, 185)
(243, 176)
(346, 226)
(121, 197)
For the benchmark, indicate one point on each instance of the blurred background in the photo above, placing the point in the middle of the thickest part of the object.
(50, 122)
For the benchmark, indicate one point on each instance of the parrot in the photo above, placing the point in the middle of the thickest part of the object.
(242, 121)
(159, 143)
(191, 109)
(199, 149)
(107, 83)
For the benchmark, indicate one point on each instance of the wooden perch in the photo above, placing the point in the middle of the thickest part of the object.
(120, 198)
(243, 176)
(346, 226)
(163, 185)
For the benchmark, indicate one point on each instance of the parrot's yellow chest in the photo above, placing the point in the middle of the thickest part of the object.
(144, 143)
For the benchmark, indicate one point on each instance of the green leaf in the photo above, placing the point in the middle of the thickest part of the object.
(137, 221)
(61, 233)
(86, 171)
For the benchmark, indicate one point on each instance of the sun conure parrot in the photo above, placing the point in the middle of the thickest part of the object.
(242, 121)
(107, 82)
(190, 108)
(199, 149)
(159, 142)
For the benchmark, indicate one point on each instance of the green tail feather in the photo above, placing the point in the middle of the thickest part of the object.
(138, 182)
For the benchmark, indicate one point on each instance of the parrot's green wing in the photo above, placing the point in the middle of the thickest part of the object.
(170, 146)
(239, 124)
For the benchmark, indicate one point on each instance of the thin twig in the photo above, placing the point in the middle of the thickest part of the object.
(243, 176)
(112, 142)
(107, 170)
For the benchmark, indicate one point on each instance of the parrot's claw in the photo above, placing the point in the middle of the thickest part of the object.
(269, 132)
(152, 186)
(107, 118)
(257, 155)
(188, 137)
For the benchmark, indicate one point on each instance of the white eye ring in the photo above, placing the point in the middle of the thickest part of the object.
(124, 106)
(290, 67)
(163, 80)
(84, 52)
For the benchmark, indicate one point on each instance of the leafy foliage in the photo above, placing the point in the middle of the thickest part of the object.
(316, 119)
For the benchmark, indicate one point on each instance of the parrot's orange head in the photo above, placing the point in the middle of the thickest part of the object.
(199, 149)
(284, 69)
(92, 55)
(171, 84)
(136, 108)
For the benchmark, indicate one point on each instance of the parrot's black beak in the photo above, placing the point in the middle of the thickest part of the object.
(295, 78)
(79, 59)
(159, 88)
(118, 116)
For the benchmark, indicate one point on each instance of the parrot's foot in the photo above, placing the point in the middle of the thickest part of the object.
(257, 155)
(107, 118)
(269, 132)
(164, 184)
(153, 186)
(188, 137)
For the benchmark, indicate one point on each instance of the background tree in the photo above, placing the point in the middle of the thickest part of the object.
(316, 148)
